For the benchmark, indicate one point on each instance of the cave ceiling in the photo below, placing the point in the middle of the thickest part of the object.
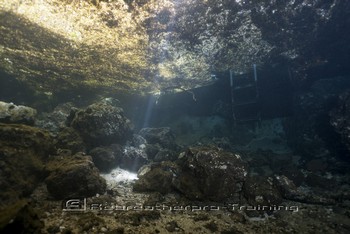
(150, 46)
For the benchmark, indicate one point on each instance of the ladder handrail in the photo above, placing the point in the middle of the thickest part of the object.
(255, 73)
(254, 82)
(232, 96)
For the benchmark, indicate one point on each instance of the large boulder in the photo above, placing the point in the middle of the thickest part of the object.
(74, 176)
(106, 158)
(21, 217)
(23, 151)
(160, 144)
(162, 136)
(157, 177)
(69, 139)
(57, 119)
(102, 124)
(210, 173)
(201, 173)
(134, 154)
(132, 158)
(261, 191)
(290, 191)
(10, 113)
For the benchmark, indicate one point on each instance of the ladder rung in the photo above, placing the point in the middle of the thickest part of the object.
(244, 86)
(248, 120)
(245, 103)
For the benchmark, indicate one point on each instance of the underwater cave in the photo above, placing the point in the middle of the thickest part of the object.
(174, 116)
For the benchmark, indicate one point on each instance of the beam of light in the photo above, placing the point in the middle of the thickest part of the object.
(152, 101)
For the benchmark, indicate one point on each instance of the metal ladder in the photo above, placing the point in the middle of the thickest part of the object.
(245, 97)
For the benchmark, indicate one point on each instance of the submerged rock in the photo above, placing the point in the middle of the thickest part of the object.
(316, 181)
(20, 217)
(10, 113)
(201, 173)
(288, 189)
(57, 119)
(23, 151)
(160, 144)
(261, 191)
(23, 138)
(137, 141)
(132, 158)
(157, 177)
(74, 176)
(209, 173)
(162, 136)
(291, 192)
(69, 139)
(105, 158)
(102, 124)
(165, 155)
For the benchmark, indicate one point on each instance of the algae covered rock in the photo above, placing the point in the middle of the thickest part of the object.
(57, 119)
(262, 191)
(74, 176)
(10, 113)
(25, 138)
(102, 124)
(161, 145)
(156, 177)
(126, 157)
(132, 158)
(210, 174)
(20, 217)
(201, 173)
(135, 154)
(105, 158)
(69, 139)
(162, 136)
(23, 152)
